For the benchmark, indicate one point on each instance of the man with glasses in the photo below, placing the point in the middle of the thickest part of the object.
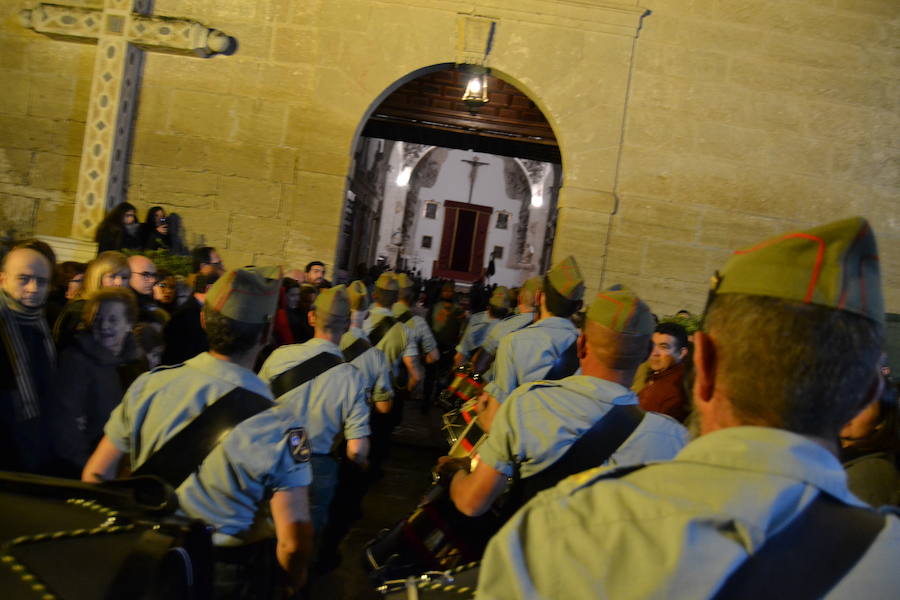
(141, 282)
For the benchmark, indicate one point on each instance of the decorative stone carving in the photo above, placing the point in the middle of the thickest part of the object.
(122, 28)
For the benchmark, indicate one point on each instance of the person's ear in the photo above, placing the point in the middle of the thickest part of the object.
(682, 353)
(581, 345)
(705, 363)
(311, 318)
(202, 320)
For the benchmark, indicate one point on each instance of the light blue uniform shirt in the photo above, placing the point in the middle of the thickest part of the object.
(503, 328)
(422, 336)
(528, 354)
(539, 422)
(480, 325)
(332, 403)
(677, 529)
(397, 342)
(232, 487)
(373, 366)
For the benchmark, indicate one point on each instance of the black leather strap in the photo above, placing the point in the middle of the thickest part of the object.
(809, 557)
(406, 316)
(355, 349)
(566, 364)
(305, 371)
(380, 330)
(591, 449)
(183, 453)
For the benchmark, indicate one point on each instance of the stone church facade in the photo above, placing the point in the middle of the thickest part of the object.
(687, 128)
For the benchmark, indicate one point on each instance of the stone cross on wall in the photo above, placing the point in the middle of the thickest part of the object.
(473, 174)
(122, 30)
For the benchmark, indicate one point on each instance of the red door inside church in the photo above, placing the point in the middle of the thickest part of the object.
(462, 241)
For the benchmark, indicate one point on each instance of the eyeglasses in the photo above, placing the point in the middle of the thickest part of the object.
(147, 275)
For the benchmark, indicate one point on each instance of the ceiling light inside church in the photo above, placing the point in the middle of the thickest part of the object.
(403, 176)
(537, 199)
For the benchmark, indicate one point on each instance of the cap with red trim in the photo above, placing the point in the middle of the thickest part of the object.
(332, 307)
(834, 265)
(359, 295)
(404, 281)
(622, 311)
(248, 295)
(500, 297)
(566, 279)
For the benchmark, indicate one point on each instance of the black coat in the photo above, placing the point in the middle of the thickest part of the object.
(183, 334)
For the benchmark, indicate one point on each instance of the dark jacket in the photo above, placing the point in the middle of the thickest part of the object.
(89, 384)
(183, 334)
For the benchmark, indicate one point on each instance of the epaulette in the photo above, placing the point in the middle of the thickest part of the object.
(166, 367)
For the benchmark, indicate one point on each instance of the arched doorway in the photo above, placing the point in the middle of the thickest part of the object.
(443, 190)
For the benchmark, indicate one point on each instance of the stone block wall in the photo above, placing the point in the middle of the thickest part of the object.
(726, 121)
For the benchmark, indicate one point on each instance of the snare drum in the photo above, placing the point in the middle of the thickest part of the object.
(458, 420)
(459, 583)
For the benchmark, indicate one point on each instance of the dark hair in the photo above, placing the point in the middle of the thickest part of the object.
(200, 255)
(801, 367)
(288, 284)
(383, 297)
(556, 303)
(229, 337)
(676, 331)
(151, 213)
(65, 271)
(886, 435)
(163, 274)
(203, 282)
(498, 312)
(315, 263)
(39, 246)
(407, 294)
(112, 222)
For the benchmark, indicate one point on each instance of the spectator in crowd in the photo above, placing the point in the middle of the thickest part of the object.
(295, 274)
(664, 390)
(119, 230)
(93, 373)
(307, 298)
(165, 291)
(68, 278)
(315, 274)
(109, 269)
(143, 279)
(184, 335)
(27, 359)
(205, 260)
(155, 230)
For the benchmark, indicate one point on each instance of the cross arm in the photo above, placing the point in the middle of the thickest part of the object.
(82, 24)
(178, 36)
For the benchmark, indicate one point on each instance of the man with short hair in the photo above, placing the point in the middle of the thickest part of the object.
(545, 349)
(143, 278)
(523, 317)
(258, 466)
(758, 505)
(205, 260)
(358, 351)
(663, 390)
(330, 402)
(27, 359)
(315, 274)
(185, 336)
(421, 333)
(481, 323)
(539, 423)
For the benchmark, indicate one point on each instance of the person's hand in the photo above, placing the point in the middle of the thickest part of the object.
(163, 228)
(447, 467)
(486, 409)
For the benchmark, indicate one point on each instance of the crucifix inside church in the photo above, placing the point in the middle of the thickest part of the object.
(123, 31)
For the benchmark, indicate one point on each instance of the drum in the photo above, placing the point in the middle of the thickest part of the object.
(457, 421)
(466, 385)
(458, 583)
(435, 537)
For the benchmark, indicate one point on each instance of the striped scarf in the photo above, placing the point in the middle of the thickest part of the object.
(12, 316)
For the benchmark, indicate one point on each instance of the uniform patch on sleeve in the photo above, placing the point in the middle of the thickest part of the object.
(298, 442)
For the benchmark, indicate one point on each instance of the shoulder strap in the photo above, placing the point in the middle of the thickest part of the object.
(183, 453)
(355, 349)
(380, 330)
(807, 558)
(566, 364)
(303, 372)
(591, 449)
(405, 316)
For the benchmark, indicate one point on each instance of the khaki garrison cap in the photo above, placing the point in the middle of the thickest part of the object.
(404, 281)
(834, 265)
(532, 284)
(500, 297)
(622, 311)
(248, 295)
(566, 279)
(332, 306)
(387, 282)
(358, 295)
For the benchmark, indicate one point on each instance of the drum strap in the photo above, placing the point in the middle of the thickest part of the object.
(305, 371)
(354, 350)
(186, 450)
(380, 330)
(566, 364)
(806, 559)
(406, 316)
(591, 449)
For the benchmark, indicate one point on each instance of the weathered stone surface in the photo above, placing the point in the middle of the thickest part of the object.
(159, 182)
(248, 196)
(54, 172)
(54, 217)
(256, 234)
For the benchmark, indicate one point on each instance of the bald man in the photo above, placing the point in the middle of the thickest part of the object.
(27, 360)
(143, 278)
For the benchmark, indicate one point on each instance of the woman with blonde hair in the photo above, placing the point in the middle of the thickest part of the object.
(109, 269)
(94, 371)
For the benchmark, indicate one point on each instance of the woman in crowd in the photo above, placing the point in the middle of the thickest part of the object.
(68, 278)
(109, 269)
(120, 229)
(165, 291)
(94, 372)
(870, 450)
(156, 230)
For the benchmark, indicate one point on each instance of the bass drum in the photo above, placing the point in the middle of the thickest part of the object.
(435, 537)
(459, 583)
